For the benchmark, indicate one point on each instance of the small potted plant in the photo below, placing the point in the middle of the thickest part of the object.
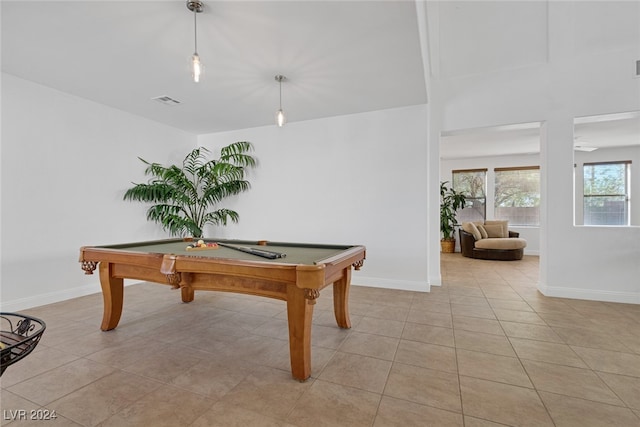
(450, 202)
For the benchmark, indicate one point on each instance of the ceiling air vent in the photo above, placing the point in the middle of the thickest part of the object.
(166, 100)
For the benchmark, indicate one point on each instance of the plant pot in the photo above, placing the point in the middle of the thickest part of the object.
(448, 246)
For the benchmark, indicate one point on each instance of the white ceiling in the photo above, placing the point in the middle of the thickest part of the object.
(491, 141)
(340, 57)
(605, 131)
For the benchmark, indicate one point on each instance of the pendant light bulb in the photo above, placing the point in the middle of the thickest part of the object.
(196, 67)
(280, 117)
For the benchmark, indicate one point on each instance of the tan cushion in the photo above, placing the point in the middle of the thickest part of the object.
(501, 243)
(470, 227)
(494, 231)
(483, 232)
(503, 223)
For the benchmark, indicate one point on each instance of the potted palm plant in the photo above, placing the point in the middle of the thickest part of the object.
(184, 197)
(450, 202)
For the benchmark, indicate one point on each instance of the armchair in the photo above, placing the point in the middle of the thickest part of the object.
(491, 240)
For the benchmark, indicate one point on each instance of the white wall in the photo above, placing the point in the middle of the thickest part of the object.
(356, 179)
(583, 76)
(66, 163)
(530, 234)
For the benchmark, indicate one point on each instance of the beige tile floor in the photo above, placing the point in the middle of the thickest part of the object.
(485, 349)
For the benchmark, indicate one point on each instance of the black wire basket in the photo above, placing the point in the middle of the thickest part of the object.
(19, 335)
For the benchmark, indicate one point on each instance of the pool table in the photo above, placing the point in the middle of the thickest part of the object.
(296, 277)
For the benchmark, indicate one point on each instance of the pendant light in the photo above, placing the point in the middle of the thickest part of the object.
(197, 68)
(280, 117)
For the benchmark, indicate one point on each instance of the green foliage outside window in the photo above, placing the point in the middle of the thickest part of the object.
(517, 195)
(605, 193)
(605, 179)
(471, 183)
(517, 188)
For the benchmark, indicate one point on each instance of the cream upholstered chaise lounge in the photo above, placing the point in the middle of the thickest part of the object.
(491, 240)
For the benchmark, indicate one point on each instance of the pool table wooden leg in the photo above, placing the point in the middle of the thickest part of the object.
(341, 299)
(187, 294)
(300, 314)
(112, 296)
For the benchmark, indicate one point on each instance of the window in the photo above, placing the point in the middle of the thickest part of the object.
(606, 193)
(517, 195)
(472, 183)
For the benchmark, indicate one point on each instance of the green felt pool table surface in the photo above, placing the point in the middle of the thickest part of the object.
(296, 253)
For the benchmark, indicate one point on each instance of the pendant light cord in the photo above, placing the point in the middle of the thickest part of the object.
(195, 29)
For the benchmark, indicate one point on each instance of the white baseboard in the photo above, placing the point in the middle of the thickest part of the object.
(52, 297)
(436, 281)
(49, 298)
(65, 294)
(403, 285)
(374, 282)
(590, 294)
